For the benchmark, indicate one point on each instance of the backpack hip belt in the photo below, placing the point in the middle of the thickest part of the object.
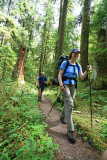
(64, 78)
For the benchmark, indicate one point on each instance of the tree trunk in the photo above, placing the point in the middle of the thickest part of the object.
(59, 27)
(101, 59)
(4, 70)
(19, 72)
(106, 36)
(85, 34)
(41, 67)
(41, 59)
(62, 28)
(61, 33)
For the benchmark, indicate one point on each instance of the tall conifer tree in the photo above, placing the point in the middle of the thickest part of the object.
(85, 34)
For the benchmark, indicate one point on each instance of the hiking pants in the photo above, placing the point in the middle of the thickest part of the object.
(68, 96)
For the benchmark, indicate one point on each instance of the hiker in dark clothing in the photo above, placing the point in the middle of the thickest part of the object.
(42, 82)
(68, 85)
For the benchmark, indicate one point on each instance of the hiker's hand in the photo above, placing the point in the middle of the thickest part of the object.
(39, 88)
(88, 67)
(45, 82)
(62, 88)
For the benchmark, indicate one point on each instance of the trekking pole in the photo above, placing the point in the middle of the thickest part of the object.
(90, 99)
(54, 103)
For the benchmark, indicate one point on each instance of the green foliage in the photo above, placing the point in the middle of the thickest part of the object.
(8, 58)
(97, 45)
(105, 108)
(26, 24)
(104, 132)
(22, 130)
(71, 34)
(100, 16)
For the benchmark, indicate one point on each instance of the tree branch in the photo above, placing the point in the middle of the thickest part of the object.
(4, 88)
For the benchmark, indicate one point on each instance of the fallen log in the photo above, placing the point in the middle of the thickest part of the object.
(77, 112)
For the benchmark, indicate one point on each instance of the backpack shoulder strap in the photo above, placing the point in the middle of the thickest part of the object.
(67, 64)
(77, 65)
(40, 79)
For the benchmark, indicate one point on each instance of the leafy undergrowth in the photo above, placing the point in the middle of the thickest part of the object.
(23, 132)
(98, 132)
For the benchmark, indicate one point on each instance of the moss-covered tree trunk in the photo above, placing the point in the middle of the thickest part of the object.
(43, 47)
(85, 34)
(41, 59)
(62, 27)
(19, 72)
(101, 61)
(106, 36)
(101, 56)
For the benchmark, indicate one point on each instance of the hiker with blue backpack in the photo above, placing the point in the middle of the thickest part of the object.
(67, 77)
(42, 82)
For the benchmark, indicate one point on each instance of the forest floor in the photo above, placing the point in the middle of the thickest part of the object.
(79, 151)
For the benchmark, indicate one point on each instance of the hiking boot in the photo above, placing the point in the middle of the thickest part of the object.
(39, 98)
(62, 120)
(71, 136)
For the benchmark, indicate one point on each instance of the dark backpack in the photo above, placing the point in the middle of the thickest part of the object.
(65, 58)
(61, 59)
(59, 62)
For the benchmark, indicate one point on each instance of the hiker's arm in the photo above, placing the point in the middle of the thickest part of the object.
(45, 82)
(38, 83)
(83, 75)
(60, 79)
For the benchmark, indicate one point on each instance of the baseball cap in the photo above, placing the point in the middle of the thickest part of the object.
(75, 50)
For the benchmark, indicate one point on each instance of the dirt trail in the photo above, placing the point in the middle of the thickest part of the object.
(78, 151)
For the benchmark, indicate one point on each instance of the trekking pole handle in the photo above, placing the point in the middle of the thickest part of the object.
(88, 69)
